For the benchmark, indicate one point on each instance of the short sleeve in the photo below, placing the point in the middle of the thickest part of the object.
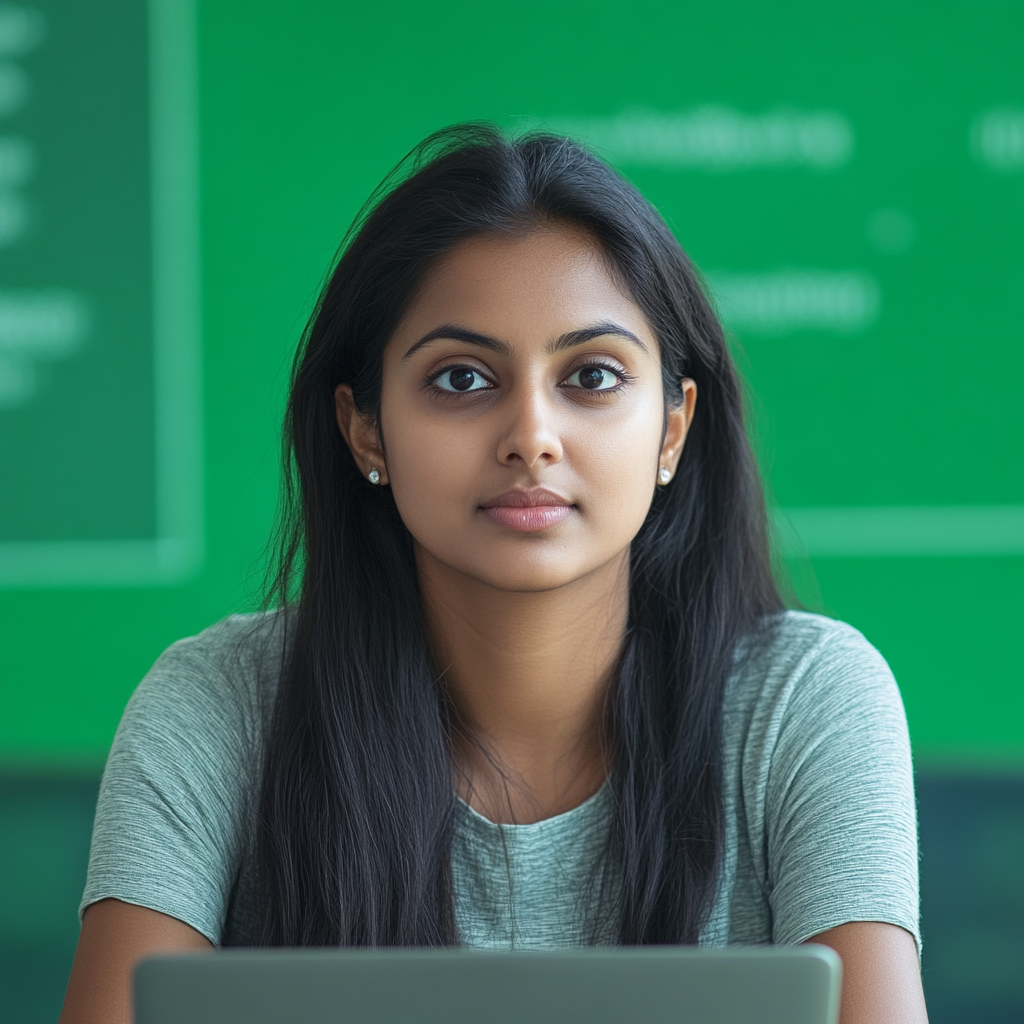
(176, 793)
(840, 822)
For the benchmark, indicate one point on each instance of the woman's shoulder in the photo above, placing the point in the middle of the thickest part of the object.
(796, 644)
(801, 664)
(227, 674)
(237, 646)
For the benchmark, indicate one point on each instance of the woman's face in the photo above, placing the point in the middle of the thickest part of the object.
(522, 414)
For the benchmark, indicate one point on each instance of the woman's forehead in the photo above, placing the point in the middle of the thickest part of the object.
(533, 285)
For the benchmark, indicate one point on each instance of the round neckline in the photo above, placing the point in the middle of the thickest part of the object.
(594, 801)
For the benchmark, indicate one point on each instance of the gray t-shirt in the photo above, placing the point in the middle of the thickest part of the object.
(818, 791)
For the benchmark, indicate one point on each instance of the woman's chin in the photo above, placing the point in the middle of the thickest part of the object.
(539, 569)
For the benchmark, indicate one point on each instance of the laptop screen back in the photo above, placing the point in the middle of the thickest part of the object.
(653, 985)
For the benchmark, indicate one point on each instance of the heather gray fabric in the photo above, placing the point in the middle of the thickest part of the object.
(820, 822)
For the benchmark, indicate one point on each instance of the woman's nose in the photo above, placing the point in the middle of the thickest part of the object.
(531, 435)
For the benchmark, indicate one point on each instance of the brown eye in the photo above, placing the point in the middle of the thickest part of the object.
(461, 378)
(594, 378)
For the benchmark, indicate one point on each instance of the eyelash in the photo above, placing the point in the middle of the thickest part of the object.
(624, 379)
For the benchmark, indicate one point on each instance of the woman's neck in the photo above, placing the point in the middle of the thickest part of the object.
(527, 674)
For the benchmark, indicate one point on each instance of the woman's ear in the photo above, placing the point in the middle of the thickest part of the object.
(361, 435)
(677, 425)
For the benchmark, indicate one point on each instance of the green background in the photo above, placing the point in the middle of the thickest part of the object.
(305, 105)
(77, 460)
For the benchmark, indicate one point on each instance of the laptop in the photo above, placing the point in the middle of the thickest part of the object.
(649, 985)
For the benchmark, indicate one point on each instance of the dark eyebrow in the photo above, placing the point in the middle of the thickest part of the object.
(454, 333)
(581, 337)
(560, 344)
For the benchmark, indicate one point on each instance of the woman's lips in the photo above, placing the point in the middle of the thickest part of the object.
(527, 511)
(531, 518)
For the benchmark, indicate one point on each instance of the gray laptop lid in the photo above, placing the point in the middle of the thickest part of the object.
(598, 986)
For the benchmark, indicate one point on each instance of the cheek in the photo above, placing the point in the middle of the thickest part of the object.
(431, 466)
(617, 463)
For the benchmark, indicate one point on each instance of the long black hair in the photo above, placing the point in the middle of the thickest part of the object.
(356, 806)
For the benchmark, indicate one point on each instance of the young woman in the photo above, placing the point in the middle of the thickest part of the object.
(529, 683)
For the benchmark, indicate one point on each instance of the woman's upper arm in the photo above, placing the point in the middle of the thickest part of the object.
(170, 825)
(841, 829)
(175, 795)
(840, 823)
(881, 978)
(114, 937)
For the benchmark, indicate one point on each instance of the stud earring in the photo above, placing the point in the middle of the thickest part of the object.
(373, 476)
(664, 475)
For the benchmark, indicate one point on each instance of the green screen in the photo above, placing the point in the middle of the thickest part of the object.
(76, 419)
(99, 424)
(849, 176)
